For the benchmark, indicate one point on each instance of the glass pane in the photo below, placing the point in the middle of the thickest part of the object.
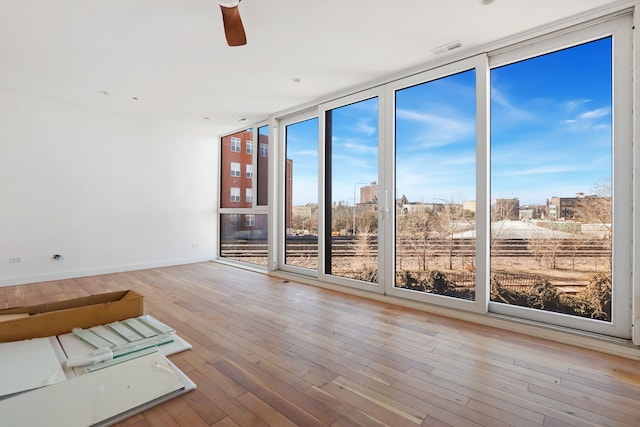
(243, 237)
(234, 159)
(551, 170)
(436, 186)
(352, 190)
(301, 194)
(263, 166)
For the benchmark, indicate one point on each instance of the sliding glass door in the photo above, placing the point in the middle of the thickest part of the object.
(300, 207)
(436, 138)
(351, 189)
(560, 174)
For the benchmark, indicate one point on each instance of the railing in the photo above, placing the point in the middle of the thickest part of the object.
(347, 246)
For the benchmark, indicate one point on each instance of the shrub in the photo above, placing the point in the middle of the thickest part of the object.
(544, 296)
(406, 280)
(593, 302)
(438, 282)
(368, 274)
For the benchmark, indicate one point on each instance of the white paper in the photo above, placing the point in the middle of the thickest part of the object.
(94, 397)
(28, 364)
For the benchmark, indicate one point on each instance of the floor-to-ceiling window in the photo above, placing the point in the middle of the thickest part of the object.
(499, 183)
(351, 189)
(560, 181)
(262, 166)
(435, 176)
(551, 168)
(300, 201)
(437, 151)
(243, 224)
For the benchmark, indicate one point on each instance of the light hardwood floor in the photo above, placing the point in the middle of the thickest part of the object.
(271, 352)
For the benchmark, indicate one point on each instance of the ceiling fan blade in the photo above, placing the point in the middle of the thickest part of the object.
(233, 28)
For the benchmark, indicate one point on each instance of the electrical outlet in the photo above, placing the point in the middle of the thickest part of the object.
(15, 260)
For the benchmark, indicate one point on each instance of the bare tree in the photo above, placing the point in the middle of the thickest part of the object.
(502, 210)
(505, 209)
(596, 210)
(305, 220)
(341, 217)
(451, 222)
(420, 224)
(366, 220)
(365, 254)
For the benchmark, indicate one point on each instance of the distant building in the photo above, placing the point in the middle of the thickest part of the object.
(532, 212)
(573, 208)
(564, 207)
(469, 206)
(369, 193)
(238, 172)
(306, 211)
(263, 170)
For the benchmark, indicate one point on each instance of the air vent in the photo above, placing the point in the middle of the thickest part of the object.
(447, 48)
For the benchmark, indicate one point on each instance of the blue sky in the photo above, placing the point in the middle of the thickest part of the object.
(435, 140)
(551, 124)
(302, 149)
(354, 156)
(550, 134)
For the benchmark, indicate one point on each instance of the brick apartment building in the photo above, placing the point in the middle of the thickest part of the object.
(238, 171)
(241, 166)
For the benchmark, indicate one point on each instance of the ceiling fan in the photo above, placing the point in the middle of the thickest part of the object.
(233, 28)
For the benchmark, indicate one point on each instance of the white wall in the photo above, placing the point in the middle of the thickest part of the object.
(108, 192)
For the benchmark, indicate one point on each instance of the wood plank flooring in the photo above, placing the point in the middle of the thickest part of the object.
(267, 352)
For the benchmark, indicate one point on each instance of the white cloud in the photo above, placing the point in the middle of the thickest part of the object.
(302, 153)
(573, 104)
(354, 163)
(543, 170)
(441, 122)
(594, 114)
(512, 112)
(363, 126)
(355, 146)
(439, 130)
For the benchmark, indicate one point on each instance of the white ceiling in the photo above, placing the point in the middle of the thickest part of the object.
(171, 55)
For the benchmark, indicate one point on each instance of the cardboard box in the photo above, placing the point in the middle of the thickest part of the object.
(61, 317)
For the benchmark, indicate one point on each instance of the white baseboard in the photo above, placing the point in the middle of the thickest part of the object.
(72, 274)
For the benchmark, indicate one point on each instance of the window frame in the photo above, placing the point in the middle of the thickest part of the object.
(622, 154)
(264, 150)
(235, 144)
(240, 207)
(235, 198)
(324, 205)
(235, 169)
(480, 303)
(626, 186)
(280, 225)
